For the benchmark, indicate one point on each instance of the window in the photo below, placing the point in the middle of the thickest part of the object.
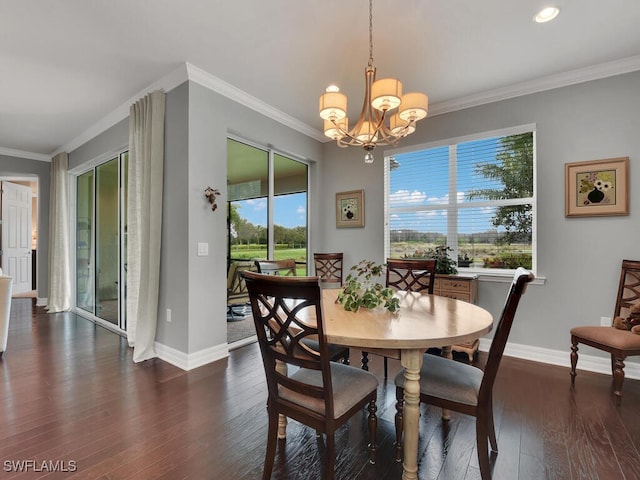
(267, 205)
(101, 226)
(475, 195)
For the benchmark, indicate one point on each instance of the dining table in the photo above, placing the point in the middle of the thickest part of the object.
(423, 321)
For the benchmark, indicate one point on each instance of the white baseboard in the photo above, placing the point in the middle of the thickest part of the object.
(590, 363)
(42, 301)
(187, 361)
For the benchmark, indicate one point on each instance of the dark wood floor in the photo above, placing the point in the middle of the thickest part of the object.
(71, 394)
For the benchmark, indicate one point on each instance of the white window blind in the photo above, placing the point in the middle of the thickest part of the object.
(475, 196)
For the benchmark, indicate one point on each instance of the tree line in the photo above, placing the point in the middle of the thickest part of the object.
(244, 232)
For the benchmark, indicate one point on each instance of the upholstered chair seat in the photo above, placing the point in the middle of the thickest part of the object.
(611, 336)
(349, 385)
(446, 379)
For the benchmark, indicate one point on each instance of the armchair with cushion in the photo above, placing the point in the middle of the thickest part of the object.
(620, 344)
(286, 267)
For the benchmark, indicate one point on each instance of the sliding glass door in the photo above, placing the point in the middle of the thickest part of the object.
(101, 241)
(267, 207)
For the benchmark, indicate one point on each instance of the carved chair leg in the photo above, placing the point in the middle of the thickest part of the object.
(373, 427)
(399, 419)
(365, 361)
(618, 379)
(574, 359)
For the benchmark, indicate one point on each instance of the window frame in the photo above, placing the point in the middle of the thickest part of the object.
(453, 206)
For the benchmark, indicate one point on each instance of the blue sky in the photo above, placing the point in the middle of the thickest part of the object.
(289, 210)
(410, 185)
(421, 179)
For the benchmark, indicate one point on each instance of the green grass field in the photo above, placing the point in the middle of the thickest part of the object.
(253, 252)
(484, 255)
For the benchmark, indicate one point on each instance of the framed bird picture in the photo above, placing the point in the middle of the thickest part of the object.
(597, 188)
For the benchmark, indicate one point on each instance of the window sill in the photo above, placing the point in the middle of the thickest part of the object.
(497, 276)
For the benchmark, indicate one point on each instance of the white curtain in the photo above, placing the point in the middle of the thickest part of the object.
(59, 295)
(144, 214)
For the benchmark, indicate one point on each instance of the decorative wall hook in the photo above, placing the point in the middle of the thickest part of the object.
(211, 194)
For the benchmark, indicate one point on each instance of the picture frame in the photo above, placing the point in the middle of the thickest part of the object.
(350, 209)
(597, 187)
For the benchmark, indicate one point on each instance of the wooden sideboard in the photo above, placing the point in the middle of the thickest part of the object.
(461, 288)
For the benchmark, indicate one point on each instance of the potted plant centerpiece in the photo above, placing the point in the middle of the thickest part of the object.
(361, 290)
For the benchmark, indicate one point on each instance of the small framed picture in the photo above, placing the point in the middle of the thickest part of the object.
(597, 187)
(350, 209)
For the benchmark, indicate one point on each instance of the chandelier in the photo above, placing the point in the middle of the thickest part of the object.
(377, 124)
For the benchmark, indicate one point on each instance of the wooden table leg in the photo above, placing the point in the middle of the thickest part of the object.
(412, 362)
(282, 420)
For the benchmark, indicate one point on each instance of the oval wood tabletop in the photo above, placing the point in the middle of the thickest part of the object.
(423, 321)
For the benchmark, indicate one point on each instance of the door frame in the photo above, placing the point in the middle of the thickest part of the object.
(30, 179)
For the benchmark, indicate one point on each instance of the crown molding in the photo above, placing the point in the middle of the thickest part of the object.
(565, 79)
(9, 152)
(166, 83)
(225, 89)
(188, 71)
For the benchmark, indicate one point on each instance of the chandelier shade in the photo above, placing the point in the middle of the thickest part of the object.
(386, 94)
(414, 106)
(333, 130)
(378, 123)
(333, 106)
(399, 126)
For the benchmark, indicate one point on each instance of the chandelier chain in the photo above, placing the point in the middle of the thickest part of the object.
(370, 33)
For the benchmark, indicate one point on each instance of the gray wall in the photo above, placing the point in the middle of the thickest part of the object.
(110, 141)
(22, 167)
(211, 118)
(196, 128)
(174, 267)
(580, 257)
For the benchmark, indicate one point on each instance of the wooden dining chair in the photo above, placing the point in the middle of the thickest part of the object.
(337, 353)
(416, 275)
(619, 343)
(329, 268)
(285, 267)
(320, 394)
(464, 388)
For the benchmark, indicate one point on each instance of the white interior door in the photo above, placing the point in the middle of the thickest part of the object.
(16, 235)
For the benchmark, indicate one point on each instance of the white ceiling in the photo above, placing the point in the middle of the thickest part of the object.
(66, 64)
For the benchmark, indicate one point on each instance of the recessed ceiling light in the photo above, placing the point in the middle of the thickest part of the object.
(546, 14)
